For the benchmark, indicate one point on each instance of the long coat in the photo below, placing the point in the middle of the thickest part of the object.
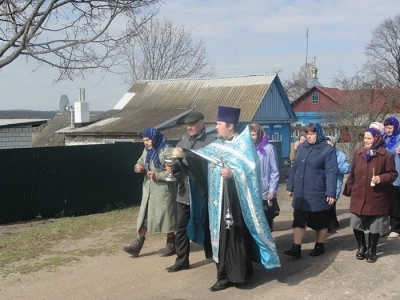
(367, 200)
(158, 199)
(313, 177)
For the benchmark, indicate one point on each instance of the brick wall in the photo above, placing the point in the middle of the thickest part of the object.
(16, 137)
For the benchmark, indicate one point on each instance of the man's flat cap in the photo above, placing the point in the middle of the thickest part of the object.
(193, 117)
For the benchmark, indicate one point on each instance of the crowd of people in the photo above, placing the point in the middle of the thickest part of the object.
(223, 194)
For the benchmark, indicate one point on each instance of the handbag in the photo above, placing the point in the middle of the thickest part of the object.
(271, 207)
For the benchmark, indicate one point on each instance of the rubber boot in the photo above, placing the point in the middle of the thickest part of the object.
(362, 246)
(169, 248)
(134, 248)
(373, 239)
(295, 251)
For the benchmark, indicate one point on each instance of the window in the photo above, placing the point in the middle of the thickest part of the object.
(315, 98)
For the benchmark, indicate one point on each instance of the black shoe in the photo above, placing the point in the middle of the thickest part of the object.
(219, 286)
(177, 268)
(295, 251)
(318, 250)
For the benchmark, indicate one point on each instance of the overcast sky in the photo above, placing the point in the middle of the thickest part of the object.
(242, 38)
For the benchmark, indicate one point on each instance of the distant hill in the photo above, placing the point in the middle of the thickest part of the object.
(31, 114)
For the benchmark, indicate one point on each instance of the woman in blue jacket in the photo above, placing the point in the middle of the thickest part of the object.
(392, 139)
(343, 168)
(312, 183)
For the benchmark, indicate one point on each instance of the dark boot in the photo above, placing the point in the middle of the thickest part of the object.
(373, 239)
(362, 247)
(169, 248)
(318, 250)
(295, 251)
(136, 246)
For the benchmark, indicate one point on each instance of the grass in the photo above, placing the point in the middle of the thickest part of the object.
(51, 243)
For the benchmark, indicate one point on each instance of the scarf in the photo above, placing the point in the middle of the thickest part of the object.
(378, 141)
(261, 138)
(396, 132)
(159, 142)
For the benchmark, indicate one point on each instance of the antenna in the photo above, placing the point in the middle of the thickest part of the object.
(63, 103)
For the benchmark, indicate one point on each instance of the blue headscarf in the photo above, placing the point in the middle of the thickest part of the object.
(320, 133)
(159, 142)
(378, 141)
(391, 140)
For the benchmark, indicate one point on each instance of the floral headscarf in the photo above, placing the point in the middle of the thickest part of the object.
(159, 142)
(261, 138)
(378, 141)
(396, 131)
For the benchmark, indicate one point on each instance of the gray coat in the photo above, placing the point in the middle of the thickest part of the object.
(188, 142)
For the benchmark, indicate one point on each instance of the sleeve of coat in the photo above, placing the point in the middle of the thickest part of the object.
(141, 160)
(292, 155)
(290, 184)
(390, 174)
(343, 163)
(331, 172)
(350, 179)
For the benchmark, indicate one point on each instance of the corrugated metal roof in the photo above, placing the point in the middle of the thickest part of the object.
(205, 95)
(48, 136)
(128, 121)
(21, 122)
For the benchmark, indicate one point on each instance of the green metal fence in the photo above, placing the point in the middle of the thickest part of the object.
(74, 180)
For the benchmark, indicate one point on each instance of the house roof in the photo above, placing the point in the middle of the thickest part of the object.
(205, 95)
(48, 137)
(7, 123)
(165, 102)
(129, 121)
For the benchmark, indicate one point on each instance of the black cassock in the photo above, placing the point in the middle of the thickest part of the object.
(236, 243)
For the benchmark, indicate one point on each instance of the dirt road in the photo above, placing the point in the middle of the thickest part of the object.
(335, 275)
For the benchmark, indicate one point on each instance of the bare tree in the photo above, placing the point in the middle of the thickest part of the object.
(163, 50)
(72, 35)
(362, 102)
(383, 53)
(297, 84)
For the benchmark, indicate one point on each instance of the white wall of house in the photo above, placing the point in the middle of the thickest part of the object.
(72, 140)
(16, 137)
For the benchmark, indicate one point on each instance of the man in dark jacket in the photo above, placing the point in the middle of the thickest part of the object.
(195, 138)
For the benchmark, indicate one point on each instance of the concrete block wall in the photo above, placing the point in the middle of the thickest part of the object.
(16, 137)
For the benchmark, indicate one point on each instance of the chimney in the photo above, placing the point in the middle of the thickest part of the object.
(81, 110)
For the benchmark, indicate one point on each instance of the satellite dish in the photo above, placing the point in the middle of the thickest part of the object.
(63, 103)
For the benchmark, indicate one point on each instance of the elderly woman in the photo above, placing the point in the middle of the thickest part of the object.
(312, 183)
(158, 206)
(369, 186)
(343, 168)
(269, 172)
(392, 131)
(302, 137)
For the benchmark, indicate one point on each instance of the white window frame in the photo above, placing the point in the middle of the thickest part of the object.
(315, 100)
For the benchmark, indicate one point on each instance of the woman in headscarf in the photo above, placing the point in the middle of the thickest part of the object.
(343, 168)
(369, 186)
(158, 206)
(312, 183)
(301, 138)
(269, 172)
(392, 130)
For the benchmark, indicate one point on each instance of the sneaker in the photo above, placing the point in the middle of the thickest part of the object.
(394, 234)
